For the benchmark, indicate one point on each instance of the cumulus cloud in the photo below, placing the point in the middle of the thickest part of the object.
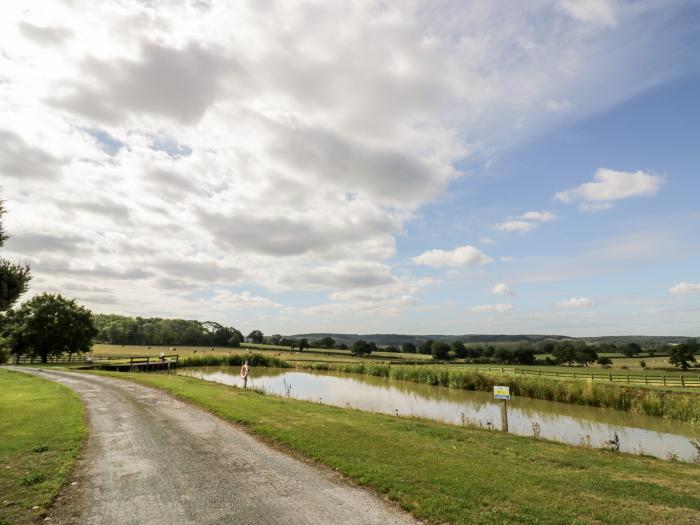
(515, 226)
(281, 157)
(538, 216)
(685, 288)
(498, 308)
(609, 186)
(460, 257)
(599, 12)
(526, 222)
(45, 36)
(176, 83)
(576, 302)
(502, 289)
(22, 160)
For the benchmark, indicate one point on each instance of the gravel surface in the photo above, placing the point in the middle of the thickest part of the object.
(150, 458)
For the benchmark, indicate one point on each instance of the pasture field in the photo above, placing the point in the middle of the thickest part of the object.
(449, 474)
(41, 431)
(283, 352)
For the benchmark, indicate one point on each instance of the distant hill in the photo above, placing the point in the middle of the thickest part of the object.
(399, 339)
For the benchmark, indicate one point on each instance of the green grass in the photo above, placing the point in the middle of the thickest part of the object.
(447, 474)
(41, 430)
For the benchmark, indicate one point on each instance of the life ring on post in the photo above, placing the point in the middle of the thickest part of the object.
(244, 371)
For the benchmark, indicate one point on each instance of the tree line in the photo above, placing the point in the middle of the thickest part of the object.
(154, 331)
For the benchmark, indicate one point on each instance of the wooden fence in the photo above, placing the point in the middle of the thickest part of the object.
(675, 380)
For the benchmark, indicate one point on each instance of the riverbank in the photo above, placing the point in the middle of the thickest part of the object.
(41, 430)
(682, 406)
(447, 474)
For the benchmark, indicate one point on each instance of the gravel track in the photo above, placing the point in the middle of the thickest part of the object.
(152, 459)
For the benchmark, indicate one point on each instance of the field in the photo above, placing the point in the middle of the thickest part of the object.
(283, 352)
(448, 474)
(41, 436)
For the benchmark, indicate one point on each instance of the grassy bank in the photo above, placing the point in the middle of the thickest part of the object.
(448, 474)
(675, 405)
(41, 430)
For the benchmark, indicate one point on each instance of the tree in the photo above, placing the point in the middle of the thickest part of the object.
(50, 325)
(303, 344)
(565, 353)
(361, 348)
(14, 278)
(256, 336)
(427, 347)
(459, 349)
(683, 354)
(631, 349)
(524, 355)
(408, 348)
(325, 342)
(585, 354)
(440, 350)
(275, 339)
(604, 361)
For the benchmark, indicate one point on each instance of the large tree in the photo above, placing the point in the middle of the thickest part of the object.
(256, 336)
(361, 348)
(14, 278)
(49, 325)
(684, 354)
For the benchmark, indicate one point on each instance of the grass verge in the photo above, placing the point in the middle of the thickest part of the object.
(447, 474)
(41, 430)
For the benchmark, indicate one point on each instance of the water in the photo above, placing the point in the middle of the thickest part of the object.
(577, 425)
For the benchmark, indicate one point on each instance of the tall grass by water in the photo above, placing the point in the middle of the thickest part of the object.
(232, 360)
(673, 405)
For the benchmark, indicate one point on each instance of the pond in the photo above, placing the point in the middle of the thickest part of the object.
(573, 424)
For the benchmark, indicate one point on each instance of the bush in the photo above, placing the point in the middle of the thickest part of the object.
(232, 360)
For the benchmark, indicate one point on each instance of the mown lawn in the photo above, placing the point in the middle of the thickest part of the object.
(41, 429)
(447, 474)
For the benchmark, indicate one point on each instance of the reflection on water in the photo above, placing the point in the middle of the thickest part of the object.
(556, 421)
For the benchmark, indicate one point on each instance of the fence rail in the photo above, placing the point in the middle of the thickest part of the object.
(678, 380)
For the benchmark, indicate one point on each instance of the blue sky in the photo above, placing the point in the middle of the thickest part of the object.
(441, 167)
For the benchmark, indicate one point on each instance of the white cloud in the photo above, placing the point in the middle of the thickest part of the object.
(498, 308)
(502, 289)
(576, 302)
(685, 288)
(462, 256)
(170, 158)
(515, 226)
(599, 12)
(538, 216)
(609, 186)
(506, 258)
(526, 222)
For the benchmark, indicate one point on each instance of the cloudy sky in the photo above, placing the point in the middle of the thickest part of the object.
(367, 166)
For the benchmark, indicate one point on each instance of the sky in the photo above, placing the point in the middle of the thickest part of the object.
(407, 167)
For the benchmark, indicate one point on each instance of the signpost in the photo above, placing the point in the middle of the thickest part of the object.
(503, 392)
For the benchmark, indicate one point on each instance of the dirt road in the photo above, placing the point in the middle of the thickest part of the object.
(152, 459)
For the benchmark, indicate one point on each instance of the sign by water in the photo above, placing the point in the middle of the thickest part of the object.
(501, 392)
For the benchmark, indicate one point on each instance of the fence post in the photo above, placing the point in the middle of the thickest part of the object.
(664, 380)
(682, 381)
(574, 375)
(646, 381)
(628, 378)
(556, 374)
